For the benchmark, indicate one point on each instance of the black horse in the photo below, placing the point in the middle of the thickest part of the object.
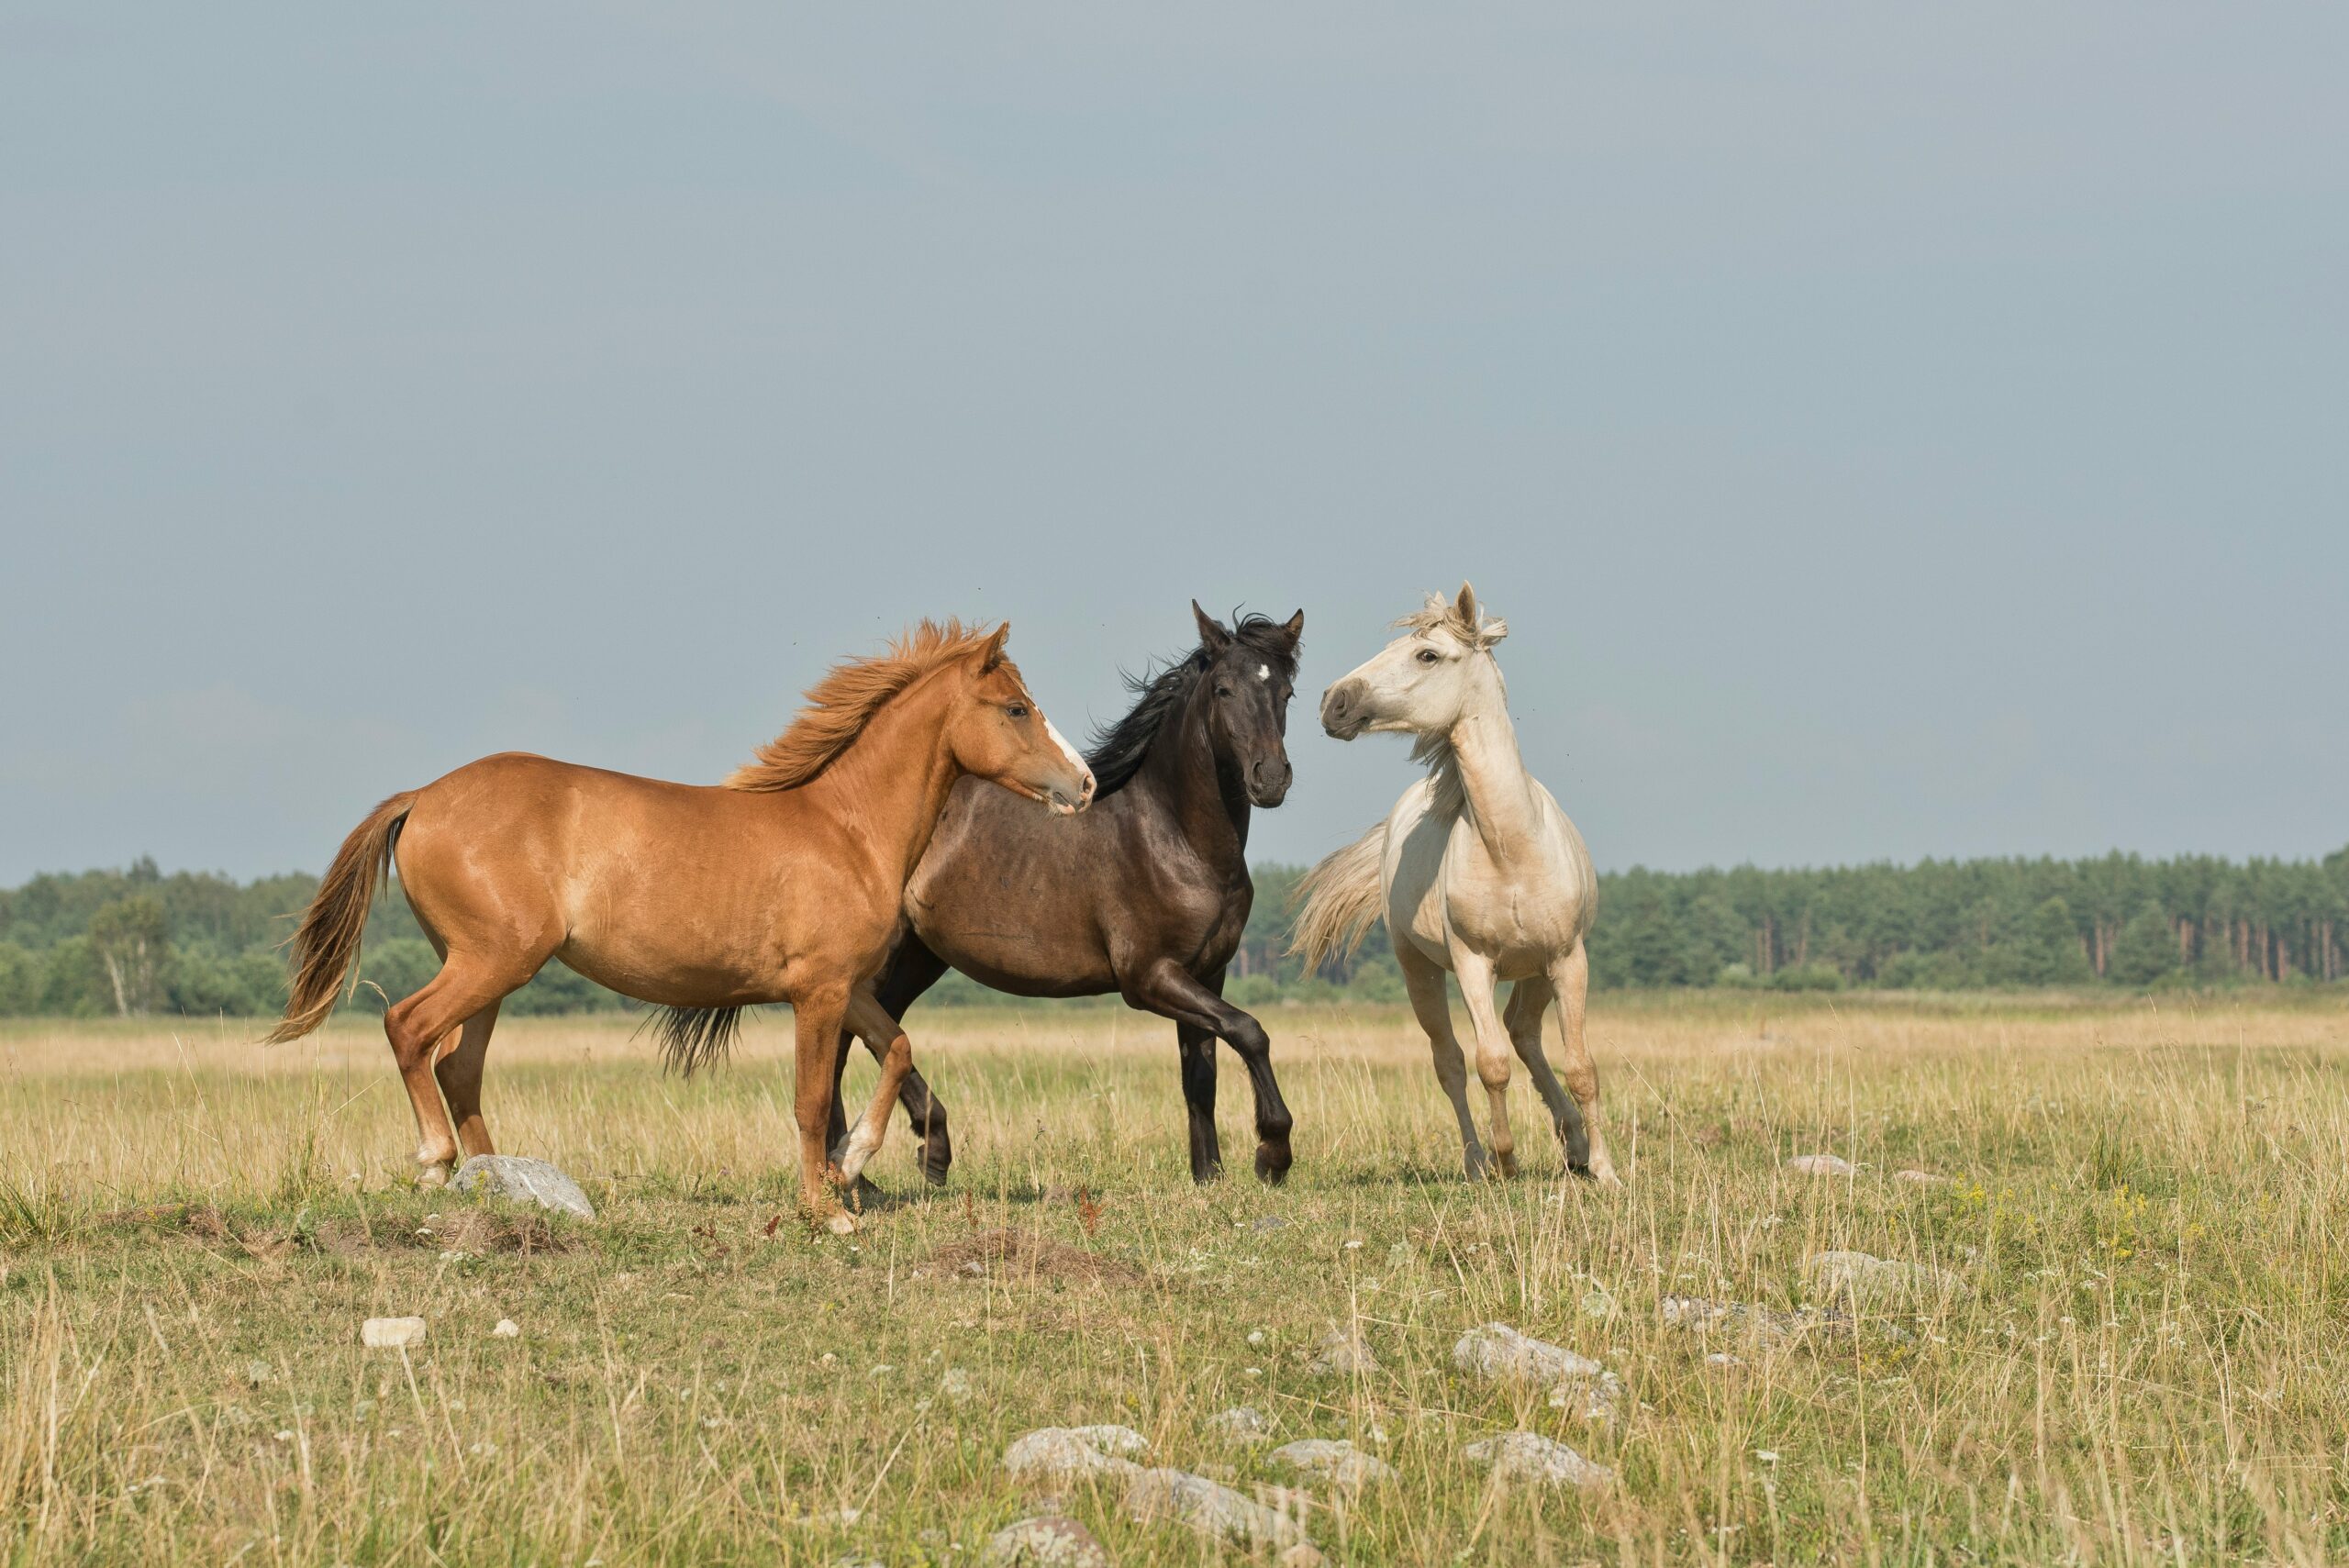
(1145, 895)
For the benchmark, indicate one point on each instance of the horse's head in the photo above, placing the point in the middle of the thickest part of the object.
(1247, 678)
(997, 732)
(1420, 683)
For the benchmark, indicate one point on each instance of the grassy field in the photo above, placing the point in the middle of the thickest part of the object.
(2144, 1356)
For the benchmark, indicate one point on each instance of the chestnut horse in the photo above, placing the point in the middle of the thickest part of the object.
(1147, 897)
(783, 884)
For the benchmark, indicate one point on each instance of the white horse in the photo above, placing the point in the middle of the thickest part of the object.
(1476, 870)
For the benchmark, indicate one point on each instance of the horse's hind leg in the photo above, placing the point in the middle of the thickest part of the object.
(417, 1026)
(879, 1030)
(1424, 981)
(1571, 976)
(460, 1074)
(1528, 999)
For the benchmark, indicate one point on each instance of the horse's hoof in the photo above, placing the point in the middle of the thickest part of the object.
(1272, 1165)
(934, 1171)
(433, 1176)
(841, 1224)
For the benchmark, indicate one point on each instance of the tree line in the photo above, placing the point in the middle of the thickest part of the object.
(135, 941)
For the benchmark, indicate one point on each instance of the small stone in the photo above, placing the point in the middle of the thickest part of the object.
(257, 1372)
(1821, 1165)
(1060, 1453)
(1862, 1276)
(1267, 1222)
(1760, 1325)
(1208, 1507)
(1529, 1456)
(506, 1330)
(956, 1384)
(1304, 1555)
(391, 1333)
(1335, 1463)
(1920, 1178)
(1341, 1353)
(1241, 1423)
(1499, 1353)
(1722, 1360)
(1047, 1541)
(525, 1180)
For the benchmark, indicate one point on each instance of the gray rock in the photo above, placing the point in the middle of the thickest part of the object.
(1760, 1325)
(1063, 1453)
(1920, 1178)
(1333, 1461)
(1208, 1507)
(1341, 1353)
(1241, 1423)
(1048, 1540)
(1821, 1165)
(1862, 1276)
(391, 1333)
(1263, 1222)
(1529, 1456)
(524, 1180)
(1499, 1353)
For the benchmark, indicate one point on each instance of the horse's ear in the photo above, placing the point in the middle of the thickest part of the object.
(1294, 628)
(992, 654)
(1465, 605)
(1212, 637)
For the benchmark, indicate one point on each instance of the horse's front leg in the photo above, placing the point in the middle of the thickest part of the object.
(1196, 1046)
(816, 1020)
(1493, 1054)
(1171, 991)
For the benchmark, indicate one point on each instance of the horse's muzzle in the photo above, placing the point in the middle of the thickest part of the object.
(1342, 715)
(1268, 782)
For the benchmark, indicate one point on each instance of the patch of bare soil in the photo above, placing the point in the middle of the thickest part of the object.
(1021, 1257)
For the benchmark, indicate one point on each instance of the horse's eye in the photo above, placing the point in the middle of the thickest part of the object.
(1017, 710)
(1223, 691)
(1426, 655)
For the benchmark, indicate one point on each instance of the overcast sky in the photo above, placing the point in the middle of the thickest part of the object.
(1890, 432)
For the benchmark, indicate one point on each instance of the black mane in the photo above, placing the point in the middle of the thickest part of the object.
(1117, 750)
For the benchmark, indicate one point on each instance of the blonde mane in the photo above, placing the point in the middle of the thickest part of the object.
(841, 704)
(1442, 613)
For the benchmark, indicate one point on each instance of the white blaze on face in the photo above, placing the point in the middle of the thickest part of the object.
(1263, 671)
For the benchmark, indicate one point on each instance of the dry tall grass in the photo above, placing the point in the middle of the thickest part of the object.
(2143, 1360)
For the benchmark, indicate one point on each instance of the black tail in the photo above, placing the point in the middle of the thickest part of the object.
(692, 1037)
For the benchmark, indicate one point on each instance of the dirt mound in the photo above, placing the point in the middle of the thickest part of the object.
(1021, 1257)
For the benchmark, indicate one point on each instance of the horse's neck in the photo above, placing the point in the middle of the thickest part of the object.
(893, 780)
(1498, 794)
(1182, 770)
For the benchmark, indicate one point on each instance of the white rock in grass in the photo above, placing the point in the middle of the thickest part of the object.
(1241, 1423)
(1209, 1507)
(391, 1333)
(1862, 1276)
(1333, 1461)
(1062, 1453)
(1342, 1354)
(1920, 1178)
(1529, 1456)
(525, 1180)
(1821, 1165)
(1499, 1353)
(506, 1330)
(1048, 1540)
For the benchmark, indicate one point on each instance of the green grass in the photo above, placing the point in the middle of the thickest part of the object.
(2150, 1363)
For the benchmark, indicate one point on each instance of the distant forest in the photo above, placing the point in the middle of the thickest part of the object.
(139, 942)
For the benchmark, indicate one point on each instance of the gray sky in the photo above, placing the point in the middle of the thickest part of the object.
(1889, 431)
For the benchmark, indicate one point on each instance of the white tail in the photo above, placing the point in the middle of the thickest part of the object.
(1342, 899)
